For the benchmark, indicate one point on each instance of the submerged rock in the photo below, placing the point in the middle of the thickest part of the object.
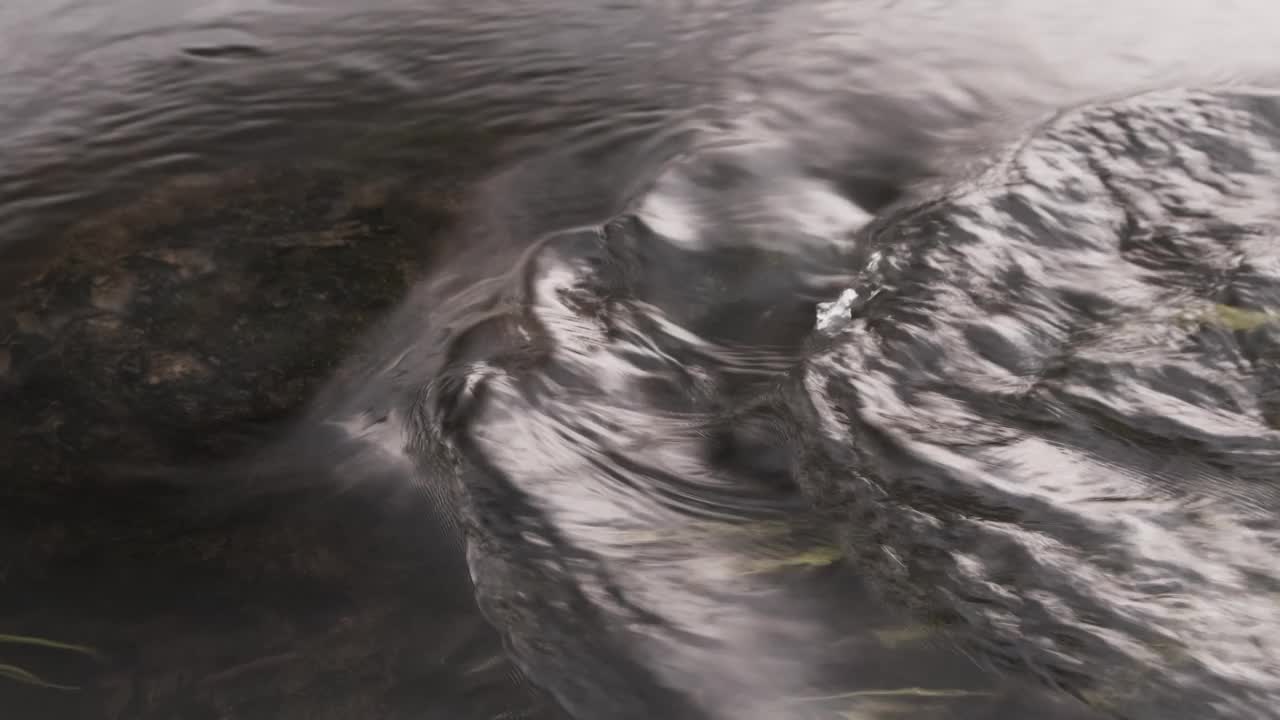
(181, 333)
(1042, 429)
(183, 327)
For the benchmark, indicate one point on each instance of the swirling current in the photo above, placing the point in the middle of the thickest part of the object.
(698, 359)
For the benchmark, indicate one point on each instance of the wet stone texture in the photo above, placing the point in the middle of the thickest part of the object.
(173, 336)
(185, 329)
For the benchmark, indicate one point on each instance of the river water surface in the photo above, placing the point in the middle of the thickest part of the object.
(744, 360)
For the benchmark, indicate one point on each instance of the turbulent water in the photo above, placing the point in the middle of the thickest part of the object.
(791, 360)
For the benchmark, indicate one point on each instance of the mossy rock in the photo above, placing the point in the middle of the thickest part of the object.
(181, 327)
(184, 330)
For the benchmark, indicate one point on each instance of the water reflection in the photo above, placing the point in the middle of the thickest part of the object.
(322, 326)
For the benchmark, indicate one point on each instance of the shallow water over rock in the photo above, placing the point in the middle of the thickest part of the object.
(689, 360)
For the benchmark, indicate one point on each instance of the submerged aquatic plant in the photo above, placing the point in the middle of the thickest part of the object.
(819, 556)
(1239, 319)
(1228, 317)
(18, 674)
(877, 703)
(765, 546)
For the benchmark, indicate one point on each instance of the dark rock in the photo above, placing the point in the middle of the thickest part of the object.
(182, 332)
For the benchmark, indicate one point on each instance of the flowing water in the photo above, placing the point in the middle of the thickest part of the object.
(781, 361)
